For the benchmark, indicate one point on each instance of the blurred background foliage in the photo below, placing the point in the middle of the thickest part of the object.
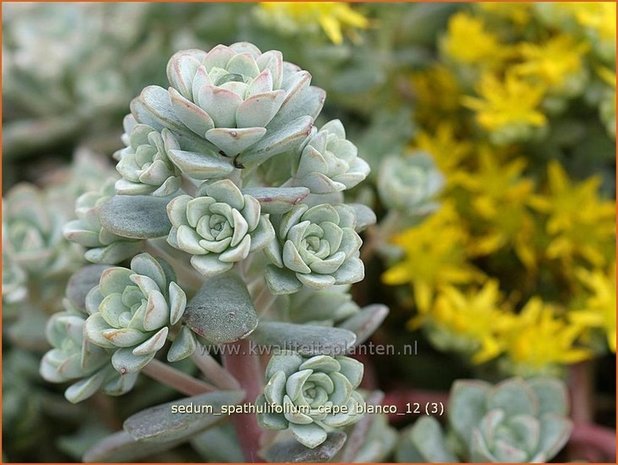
(490, 130)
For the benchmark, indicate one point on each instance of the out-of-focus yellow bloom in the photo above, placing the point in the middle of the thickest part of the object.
(468, 41)
(508, 102)
(434, 256)
(580, 222)
(541, 338)
(473, 319)
(437, 94)
(599, 309)
(598, 16)
(518, 13)
(500, 197)
(332, 17)
(444, 146)
(555, 63)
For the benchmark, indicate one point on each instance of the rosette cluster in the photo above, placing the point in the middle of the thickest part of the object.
(144, 164)
(132, 310)
(410, 183)
(218, 228)
(317, 247)
(329, 162)
(75, 358)
(310, 396)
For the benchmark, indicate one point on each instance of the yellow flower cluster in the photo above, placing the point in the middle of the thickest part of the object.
(511, 77)
(331, 17)
(517, 267)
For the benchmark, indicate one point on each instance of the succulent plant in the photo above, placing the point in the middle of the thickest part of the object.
(310, 395)
(329, 162)
(103, 245)
(144, 164)
(410, 183)
(195, 196)
(132, 310)
(235, 100)
(218, 228)
(73, 357)
(515, 421)
(317, 247)
(32, 233)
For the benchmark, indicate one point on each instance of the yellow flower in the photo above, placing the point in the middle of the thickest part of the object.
(436, 94)
(468, 41)
(598, 16)
(509, 102)
(599, 309)
(434, 256)
(444, 146)
(472, 320)
(556, 63)
(580, 223)
(541, 338)
(499, 202)
(332, 17)
(518, 13)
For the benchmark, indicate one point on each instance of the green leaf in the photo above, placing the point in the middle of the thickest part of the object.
(552, 395)
(305, 339)
(285, 138)
(222, 310)
(136, 216)
(277, 200)
(166, 422)
(515, 397)
(292, 451)
(467, 406)
(365, 322)
(121, 447)
(428, 439)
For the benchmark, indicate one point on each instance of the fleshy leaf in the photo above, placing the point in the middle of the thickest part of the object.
(222, 310)
(136, 216)
(166, 422)
(305, 339)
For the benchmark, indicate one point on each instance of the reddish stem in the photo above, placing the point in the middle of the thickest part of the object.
(246, 368)
(596, 442)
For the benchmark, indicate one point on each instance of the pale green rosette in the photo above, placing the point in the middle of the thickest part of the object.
(132, 311)
(310, 396)
(103, 245)
(144, 164)
(235, 99)
(409, 184)
(32, 233)
(516, 421)
(74, 358)
(316, 247)
(329, 162)
(219, 228)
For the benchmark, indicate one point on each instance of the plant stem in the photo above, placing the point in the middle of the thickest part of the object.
(176, 379)
(219, 376)
(590, 439)
(245, 367)
(581, 387)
